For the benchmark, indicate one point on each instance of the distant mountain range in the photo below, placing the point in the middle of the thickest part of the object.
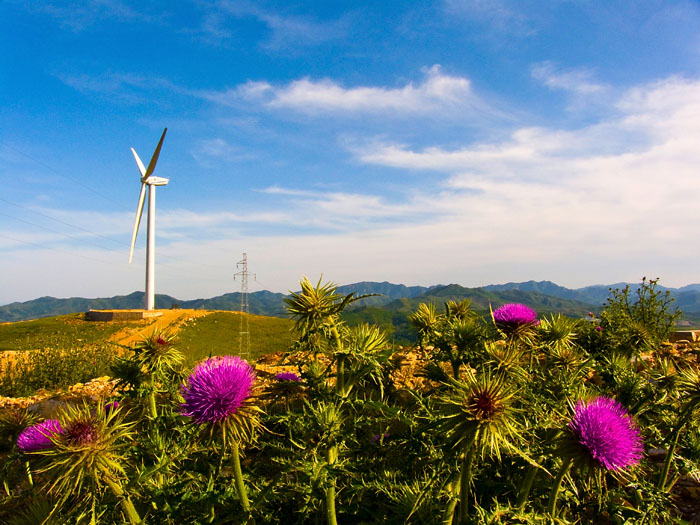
(395, 300)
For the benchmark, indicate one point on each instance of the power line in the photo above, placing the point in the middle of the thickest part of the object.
(44, 247)
(60, 221)
(166, 258)
(43, 164)
(67, 236)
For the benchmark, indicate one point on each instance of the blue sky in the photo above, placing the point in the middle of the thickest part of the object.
(469, 142)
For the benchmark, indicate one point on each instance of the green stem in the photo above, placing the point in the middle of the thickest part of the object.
(551, 507)
(152, 399)
(340, 365)
(527, 486)
(682, 420)
(238, 475)
(331, 455)
(465, 480)
(455, 368)
(330, 506)
(127, 505)
(448, 514)
(340, 376)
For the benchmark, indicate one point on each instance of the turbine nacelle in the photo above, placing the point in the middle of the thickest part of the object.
(155, 181)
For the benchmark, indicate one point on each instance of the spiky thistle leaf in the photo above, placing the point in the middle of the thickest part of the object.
(478, 413)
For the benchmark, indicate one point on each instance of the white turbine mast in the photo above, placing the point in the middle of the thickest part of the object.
(147, 179)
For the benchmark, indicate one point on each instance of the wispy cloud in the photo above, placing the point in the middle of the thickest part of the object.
(343, 209)
(210, 152)
(500, 16)
(126, 87)
(79, 15)
(578, 81)
(285, 31)
(437, 93)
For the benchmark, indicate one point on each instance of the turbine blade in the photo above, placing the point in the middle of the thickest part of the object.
(142, 169)
(137, 221)
(154, 158)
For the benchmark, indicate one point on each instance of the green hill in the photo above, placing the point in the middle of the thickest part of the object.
(393, 316)
(219, 333)
(216, 333)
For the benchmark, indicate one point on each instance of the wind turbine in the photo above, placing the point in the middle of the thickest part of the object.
(147, 179)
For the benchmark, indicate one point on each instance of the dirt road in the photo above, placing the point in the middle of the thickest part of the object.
(170, 320)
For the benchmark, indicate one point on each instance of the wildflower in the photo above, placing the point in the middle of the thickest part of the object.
(477, 419)
(602, 435)
(111, 406)
(378, 437)
(514, 315)
(215, 394)
(478, 413)
(81, 433)
(88, 456)
(607, 433)
(217, 388)
(287, 376)
(598, 328)
(38, 437)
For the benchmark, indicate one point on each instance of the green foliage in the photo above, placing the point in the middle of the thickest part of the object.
(87, 458)
(351, 443)
(458, 335)
(634, 323)
(22, 374)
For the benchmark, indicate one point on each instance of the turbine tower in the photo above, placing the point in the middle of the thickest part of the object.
(147, 179)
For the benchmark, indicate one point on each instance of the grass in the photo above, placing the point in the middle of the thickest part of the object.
(64, 331)
(70, 349)
(219, 333)
(53, 368)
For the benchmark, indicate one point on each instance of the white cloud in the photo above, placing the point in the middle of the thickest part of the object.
(570, 191)
(438, 92)
(342, 209)
(286, 32)
(578, 81)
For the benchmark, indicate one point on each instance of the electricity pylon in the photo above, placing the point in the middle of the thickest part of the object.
(244, 331)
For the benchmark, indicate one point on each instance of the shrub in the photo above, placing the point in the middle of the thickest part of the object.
(634, 322)
(26, 372)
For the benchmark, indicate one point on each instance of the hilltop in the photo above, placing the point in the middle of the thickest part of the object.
(388, 308)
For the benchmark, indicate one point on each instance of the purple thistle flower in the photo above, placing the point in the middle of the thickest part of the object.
(598, 328)
(287, 376)
(217, 388)
(111, 406)
(81, 433)
(38, 437)
(605, 429)
(514, 315)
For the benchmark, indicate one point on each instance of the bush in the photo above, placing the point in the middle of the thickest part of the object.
(632, 322)
(26, 372)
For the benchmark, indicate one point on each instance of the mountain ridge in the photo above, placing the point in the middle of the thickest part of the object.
(543, 294)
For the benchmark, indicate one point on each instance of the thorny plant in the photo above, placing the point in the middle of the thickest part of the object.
(506, 424)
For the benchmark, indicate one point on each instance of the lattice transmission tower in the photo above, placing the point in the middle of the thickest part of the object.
(244, 332)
